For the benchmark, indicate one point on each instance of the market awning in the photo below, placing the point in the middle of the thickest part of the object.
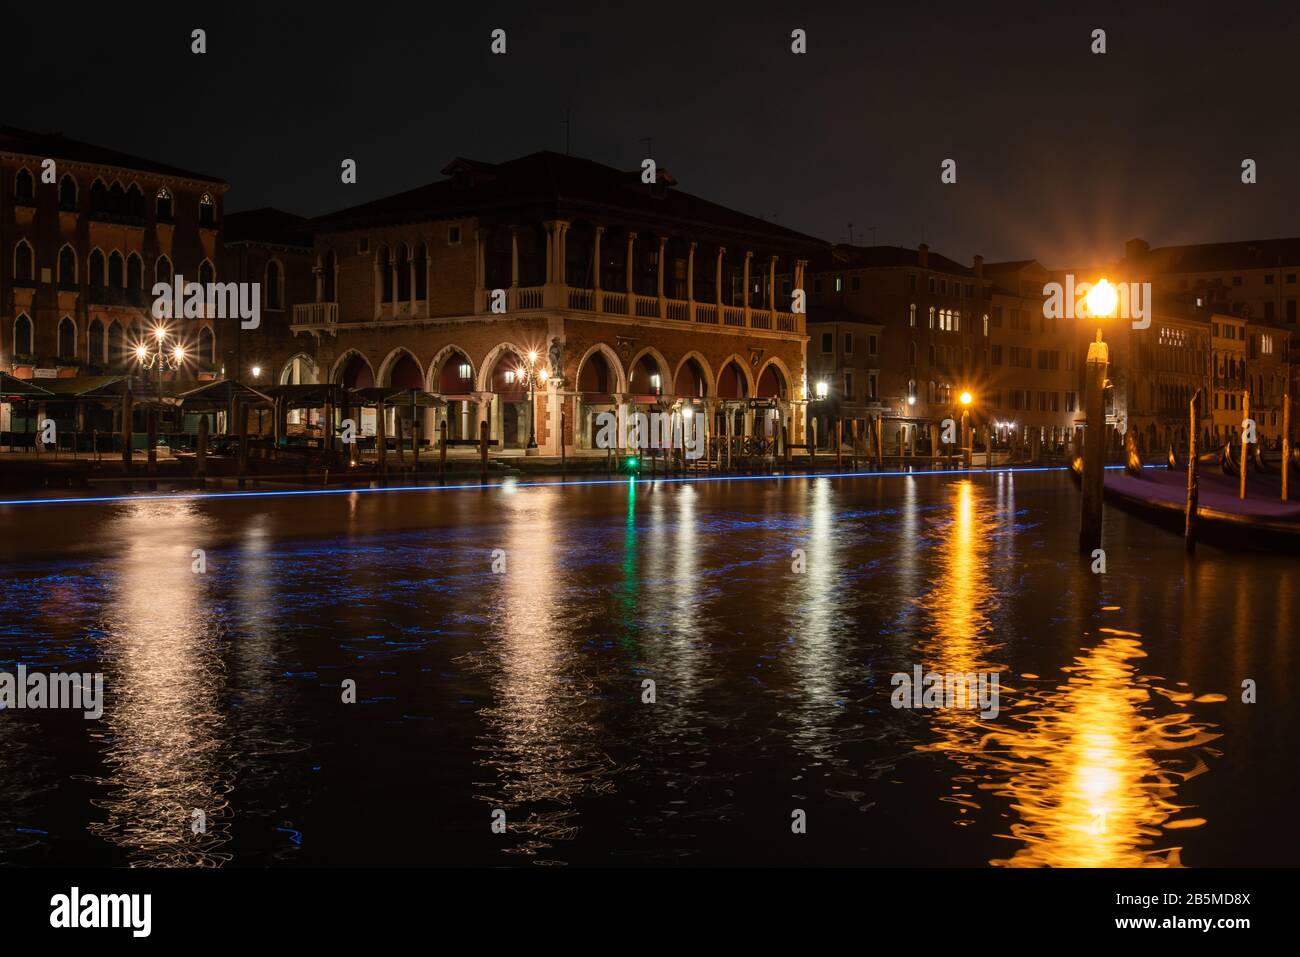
(107, 387)
(220, 394)
(14, 389)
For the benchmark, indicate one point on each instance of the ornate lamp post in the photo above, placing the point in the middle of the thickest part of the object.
(1101, 301)
(149, 359)
(533, 376)
(967, 450)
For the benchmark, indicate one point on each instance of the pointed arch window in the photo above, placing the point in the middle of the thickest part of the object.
(24, 188)
(162, 204)
(22, 336)
(67, 266)
(67, 193)
(207, 211)
(67, 338)
(24, 262)
(95, 342)
(96, 269)
(274, 285)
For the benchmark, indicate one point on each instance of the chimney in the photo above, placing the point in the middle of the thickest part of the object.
(979, 266)
(923, 254)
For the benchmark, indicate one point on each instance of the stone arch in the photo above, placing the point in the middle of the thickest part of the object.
(611, 359)
(746, 375)
(649, 356)
(437, 382)
(779, 369)
(393, 363)
(346, 365)
(483, 379)
(286, 370)
(706, 372)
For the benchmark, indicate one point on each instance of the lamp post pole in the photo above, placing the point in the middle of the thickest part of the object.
(1101, 301)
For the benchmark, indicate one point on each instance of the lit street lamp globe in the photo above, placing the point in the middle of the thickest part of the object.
(1102, 299)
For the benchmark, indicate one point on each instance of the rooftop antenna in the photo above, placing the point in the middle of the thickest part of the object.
(850, 234)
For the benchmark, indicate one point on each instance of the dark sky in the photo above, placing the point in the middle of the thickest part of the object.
(1062, 154)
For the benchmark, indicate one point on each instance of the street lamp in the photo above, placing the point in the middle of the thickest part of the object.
(532, 377)
(149, 359)
(965, 399)
(1101, 302)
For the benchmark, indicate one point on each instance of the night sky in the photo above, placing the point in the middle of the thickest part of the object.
(1062, 154)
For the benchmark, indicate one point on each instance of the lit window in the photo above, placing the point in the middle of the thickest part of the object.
(465, 371)
(510, 376)
(654, 380)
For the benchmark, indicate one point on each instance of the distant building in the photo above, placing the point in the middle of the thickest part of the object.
(633, 296)
(930, 318)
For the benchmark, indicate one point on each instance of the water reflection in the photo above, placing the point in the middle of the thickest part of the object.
(1093, 769)
(164, 724)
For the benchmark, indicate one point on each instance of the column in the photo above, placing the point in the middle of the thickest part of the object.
(663, 242)
(717, 280)
(690, 282)
(481, 271)
(745, 302)
(514, 257)
(631, 243)
(410, 278)
(596, 302)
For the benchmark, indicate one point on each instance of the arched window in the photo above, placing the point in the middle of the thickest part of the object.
(67, 338)
(911, 389)
(116, 344)
(207, 210)
(98, 196)
(162, 205)
(932, 317)
(162, 270)
(95, 342)
(22, 336)
(911, 353)
(328, 269)
(134, 202)
(24, 262)
(96, 270)
(422, 272)
(206, 273)
(385, 275)
(134, 272)
(67, 192)
(986, 324)
(207, 345)
(67, 266)
(930, 393)
(403, 272)
(116, 270)
(274, 285)
(911, 315)
(116, 199)
(24, 188)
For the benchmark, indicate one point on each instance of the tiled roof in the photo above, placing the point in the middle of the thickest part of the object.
(1211, 257)
(56, 146)
(551, 184)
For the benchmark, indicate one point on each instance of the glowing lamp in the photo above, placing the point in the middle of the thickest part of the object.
(1101, 299)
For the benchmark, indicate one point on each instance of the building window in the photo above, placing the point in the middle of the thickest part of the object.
(421, 272)
(872, 342)
(327, 274)
(22, 336)
(96, 269)
(510, 377)
(848, 343)
(116, 270)
(932, 317)
(162, 205)
(466, 373)
(67, 266)
(453, 235)
(134, 272)
(206, 273)
(67, 193)
(1236, 280)
(24, 189)
(848, 386)
(207, 345)
(162, 270)
(911, 353)
(1268, 279)
(911, 314)
(1266, 345)
(839, 283)
(24, 266)
(828, 343)
(912, 283)
(95, 340)
(274, 285)
(986, 325)
(67, 338)
(872, 392)
(207, 211)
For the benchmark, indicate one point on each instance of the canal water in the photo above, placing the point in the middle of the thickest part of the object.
(500, 641)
